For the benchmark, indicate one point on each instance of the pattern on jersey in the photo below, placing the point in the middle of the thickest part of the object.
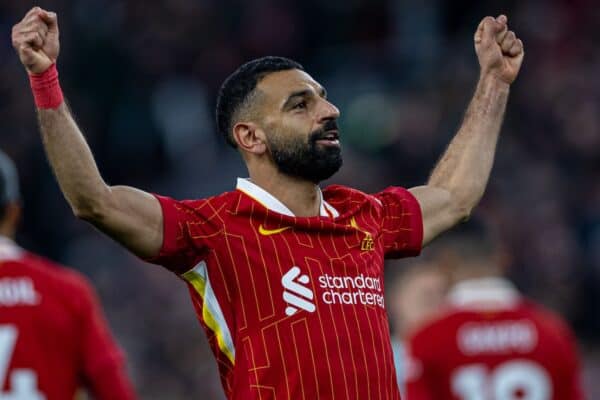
(211, 311)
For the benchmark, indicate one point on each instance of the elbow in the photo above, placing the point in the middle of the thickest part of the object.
(462, 207)
(86, 212)
(91, 209)
(463, 214)
(459, 213)
(462, 196)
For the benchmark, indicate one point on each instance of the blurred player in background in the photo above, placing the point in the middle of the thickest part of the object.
(414, 296)
(54, 339)
(490, 343)
(286, 278)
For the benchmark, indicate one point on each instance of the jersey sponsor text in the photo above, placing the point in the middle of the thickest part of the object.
(354, 290)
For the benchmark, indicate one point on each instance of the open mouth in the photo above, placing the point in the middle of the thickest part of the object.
(331, 138)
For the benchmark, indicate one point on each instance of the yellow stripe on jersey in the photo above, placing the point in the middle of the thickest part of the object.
(212, 315)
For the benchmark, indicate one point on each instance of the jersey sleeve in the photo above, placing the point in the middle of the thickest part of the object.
(103, 363)
(186, 227)
(402, 223)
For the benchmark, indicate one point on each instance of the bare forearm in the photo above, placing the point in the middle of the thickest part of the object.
(130, 216)
(460, 177)
(465, 167)
(71, 159)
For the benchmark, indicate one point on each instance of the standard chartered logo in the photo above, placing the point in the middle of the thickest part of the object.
(346, 290)
(295, 294)
(352, 290)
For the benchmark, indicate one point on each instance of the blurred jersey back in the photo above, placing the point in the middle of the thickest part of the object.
(41, 327)
(517, 351)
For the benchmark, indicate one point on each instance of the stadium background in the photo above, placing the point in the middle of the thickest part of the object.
(141, 77)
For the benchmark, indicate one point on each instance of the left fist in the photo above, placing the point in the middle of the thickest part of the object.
(499, 51)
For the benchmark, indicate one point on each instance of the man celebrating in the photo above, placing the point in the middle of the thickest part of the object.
(286, 279)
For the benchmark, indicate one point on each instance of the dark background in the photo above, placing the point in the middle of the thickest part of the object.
(141, 77)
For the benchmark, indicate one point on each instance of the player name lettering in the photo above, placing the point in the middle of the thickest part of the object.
(360, 289)
(497, 337)
(17, 292)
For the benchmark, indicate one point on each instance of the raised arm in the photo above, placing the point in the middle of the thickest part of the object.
(459, 179)
(130, 216)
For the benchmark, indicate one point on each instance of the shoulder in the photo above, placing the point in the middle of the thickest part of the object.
(59, 275)
(428, 337)
(391, 194)
(197, 204)
(396, 196)
(63, 287)
(339, 195)
(548, 321)
(210, 206)
(555, 337)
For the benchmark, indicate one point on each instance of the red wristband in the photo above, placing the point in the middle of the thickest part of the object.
(46, 88)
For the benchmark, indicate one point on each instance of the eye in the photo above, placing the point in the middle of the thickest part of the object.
(300, 106)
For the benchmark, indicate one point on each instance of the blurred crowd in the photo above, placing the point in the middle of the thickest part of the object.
(141, 77)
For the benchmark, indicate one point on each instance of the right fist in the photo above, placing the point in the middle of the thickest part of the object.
(35, 39)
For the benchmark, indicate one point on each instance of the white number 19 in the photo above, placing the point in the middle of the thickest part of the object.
(23, 382)
(523, 380)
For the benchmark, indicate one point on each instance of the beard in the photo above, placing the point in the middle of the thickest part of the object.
(307, 160)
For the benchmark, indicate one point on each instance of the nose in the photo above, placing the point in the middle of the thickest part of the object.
(328, 111)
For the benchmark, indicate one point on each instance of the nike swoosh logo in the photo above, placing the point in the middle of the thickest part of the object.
(354, 225)
(268, 232)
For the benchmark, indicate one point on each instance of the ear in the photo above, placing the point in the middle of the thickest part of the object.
(249, 137)
(11, 219)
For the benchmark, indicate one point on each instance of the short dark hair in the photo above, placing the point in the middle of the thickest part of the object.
(238, 87)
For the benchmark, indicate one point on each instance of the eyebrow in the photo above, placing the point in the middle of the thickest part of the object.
(303, 93)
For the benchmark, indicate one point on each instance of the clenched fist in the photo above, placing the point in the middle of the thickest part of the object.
(35, 39)
(499, 50)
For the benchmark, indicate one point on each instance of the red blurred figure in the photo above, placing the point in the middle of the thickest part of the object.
(491, 343)
(414, 297)
(53, 336)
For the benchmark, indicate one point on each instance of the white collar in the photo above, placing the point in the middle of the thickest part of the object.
(272, 203)
(484, 293)
(9, 249)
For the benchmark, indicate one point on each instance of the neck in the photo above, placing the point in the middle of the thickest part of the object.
(7, 231)
(300, 196)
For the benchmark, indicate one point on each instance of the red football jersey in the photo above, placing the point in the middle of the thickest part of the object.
(491, 344)
(53, 336)
(293, 307)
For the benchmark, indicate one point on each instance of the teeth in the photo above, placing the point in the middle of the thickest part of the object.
(330, 137)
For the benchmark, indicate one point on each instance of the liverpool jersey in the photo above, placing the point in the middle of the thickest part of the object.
(491, 344)
(293, 307)
(53, 336)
